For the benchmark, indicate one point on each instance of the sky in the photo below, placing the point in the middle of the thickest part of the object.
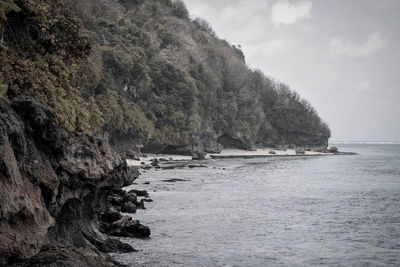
(343, 56)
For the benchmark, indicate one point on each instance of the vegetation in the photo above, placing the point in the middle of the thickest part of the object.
(143, 70)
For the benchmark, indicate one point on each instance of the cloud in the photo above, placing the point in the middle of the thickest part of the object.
(364, 86)
(285, 13)
(270, 47)
(339, 48)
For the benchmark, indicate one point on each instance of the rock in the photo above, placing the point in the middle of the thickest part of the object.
(132, 174)
(115, 200)
(114, 246)
(199, 156)
(139, 193)
(119, 192)
(300, 151)
(168, 167)
(140, 204)
(228, 141)
(56, 183)
(130, 197)
(110, 216)
(131, 154)
(272, 152)
(128, 207)
(191, 166)
(110, 245)
(66, 256)
(126, 227)
(333, 149)
(154, 162)
(174, 180)
(182, 149)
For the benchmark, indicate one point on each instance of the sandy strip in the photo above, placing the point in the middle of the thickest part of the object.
(149, 157)
(226, 153)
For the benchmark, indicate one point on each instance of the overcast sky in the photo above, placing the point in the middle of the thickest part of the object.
(343, 56)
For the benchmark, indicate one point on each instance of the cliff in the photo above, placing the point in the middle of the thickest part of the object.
(54, 184)
(150, 76)
(140, 74)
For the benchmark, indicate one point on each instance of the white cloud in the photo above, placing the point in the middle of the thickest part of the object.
(285, 13)
(339, 48)
(364, 86)
(271, 47)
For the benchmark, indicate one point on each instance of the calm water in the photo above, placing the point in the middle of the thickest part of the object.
(326, 210)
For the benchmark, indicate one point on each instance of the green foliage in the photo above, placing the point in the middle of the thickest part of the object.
(123, 116)
(45, 46)
(89, 76)
(96, 116)
(203, 25)
(179, 9)
(167, 37)
(48, 79)
(128, 4)
(145, 71)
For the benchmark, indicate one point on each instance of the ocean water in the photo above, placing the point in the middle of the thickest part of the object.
(298, 211)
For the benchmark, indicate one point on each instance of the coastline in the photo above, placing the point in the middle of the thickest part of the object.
(231, 153)
(255, 198)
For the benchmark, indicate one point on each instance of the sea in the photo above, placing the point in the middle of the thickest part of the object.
(341, 210)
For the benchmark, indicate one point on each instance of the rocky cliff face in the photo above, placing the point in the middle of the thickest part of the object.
(53, 185)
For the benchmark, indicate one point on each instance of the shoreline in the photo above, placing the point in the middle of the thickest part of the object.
(229, 154)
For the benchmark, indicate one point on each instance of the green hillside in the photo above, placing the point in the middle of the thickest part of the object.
(145, 73)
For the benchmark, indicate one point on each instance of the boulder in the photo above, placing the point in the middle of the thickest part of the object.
(154, 162)
(132, 174)
(139, 193)
(128, 207)
(115, 200)
(140, 204)
(132, 154)
(126, 227)
(300, 151)
(110, 216)
(198, 155)
(333, 149)
(130, 197)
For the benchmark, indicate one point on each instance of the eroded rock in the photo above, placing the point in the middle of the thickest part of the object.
(54, 185)
(126, 227)
(110, 216)
(128, 207)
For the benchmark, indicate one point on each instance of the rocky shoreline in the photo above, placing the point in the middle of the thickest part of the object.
(61, 193)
